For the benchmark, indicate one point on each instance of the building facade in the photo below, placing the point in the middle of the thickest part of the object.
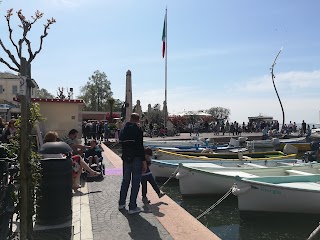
(9, 89)
(60, 115)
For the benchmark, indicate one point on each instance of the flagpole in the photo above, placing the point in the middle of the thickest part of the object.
(166, 73)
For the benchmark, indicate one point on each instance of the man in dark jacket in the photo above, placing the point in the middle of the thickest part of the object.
(134, 162)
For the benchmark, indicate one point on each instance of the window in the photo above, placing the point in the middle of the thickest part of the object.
(1, 89)
(14, 89)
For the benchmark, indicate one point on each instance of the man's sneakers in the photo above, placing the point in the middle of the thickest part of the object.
(161, 194)
(122, 207)
(145, 200)
(133, 211)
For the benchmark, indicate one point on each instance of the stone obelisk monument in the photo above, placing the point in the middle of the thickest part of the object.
(128, 96)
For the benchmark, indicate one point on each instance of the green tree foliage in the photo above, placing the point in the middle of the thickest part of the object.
(43, 93)
(117, 105)
(96, 93)
(219, 112)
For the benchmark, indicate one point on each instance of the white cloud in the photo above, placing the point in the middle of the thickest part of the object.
(243, 104)
(293, 80)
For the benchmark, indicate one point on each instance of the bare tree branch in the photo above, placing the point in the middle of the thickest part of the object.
(8, 65)
(45, 33)
(8, 16)
(9, 54)
(26, 26)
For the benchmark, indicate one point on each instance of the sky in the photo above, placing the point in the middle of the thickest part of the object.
(219, 52)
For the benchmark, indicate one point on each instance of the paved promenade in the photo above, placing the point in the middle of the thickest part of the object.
(163, 219)
(96, 215)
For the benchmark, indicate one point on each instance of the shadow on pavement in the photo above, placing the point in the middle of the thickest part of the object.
(155, 208)
(140, 228)
(79, 193)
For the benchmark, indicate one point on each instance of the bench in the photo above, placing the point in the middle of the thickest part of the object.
(296, 172)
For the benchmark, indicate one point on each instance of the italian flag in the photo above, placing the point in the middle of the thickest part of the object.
(164, 36)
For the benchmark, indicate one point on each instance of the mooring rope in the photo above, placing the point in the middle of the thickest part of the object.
(216, 203)
(172, 175)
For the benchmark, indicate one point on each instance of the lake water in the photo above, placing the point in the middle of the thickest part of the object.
(226, 223)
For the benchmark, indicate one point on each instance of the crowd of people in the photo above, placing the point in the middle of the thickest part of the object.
(100, 130)
(236, 128)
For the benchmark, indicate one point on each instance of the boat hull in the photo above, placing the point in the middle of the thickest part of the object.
(205, 181)
(167, 155)
(302, 147)
(191, 143)
(165, 168)
(260, 197)
(200, 183)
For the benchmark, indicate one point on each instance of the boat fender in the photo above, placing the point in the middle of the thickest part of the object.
(240, 156)
(181, 175)
(290, 149)
(275, 141)
(237, 191)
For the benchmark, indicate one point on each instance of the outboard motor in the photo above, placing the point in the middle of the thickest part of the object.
(312, 155)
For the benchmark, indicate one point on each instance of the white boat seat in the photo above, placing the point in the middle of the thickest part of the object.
(296, 172)
(286, 164)
(255, 165)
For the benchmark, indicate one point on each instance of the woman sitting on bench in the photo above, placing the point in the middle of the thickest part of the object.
(77, 161)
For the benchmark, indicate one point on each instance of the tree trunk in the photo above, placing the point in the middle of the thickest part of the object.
(26, 224)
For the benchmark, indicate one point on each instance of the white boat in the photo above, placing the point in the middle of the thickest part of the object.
(271, 143)
(195, 144)
(165, 168)
(267, 143)
(291, 194)
(175, 143)
(182, 149)
(204, 181)
(161, 154)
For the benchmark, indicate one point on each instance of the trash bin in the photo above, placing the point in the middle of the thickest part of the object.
(54, 198)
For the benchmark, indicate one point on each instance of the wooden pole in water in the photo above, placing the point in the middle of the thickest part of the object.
(273, 77)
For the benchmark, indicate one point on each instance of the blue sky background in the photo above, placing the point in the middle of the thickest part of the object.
(219, 52)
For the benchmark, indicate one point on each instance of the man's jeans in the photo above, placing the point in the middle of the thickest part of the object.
(131, 173)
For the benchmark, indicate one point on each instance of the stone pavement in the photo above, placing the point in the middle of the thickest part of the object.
(162, 219)
(110, 223)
